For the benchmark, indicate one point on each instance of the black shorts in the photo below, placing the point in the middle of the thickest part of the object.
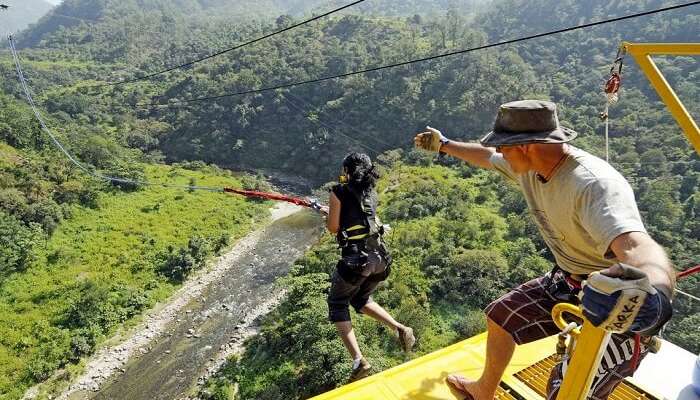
(349, 288)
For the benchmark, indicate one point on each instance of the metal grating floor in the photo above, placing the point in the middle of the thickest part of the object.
(502, 394)
(537, 375)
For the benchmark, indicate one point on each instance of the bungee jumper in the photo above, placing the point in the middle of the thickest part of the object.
(365, 260)
(587, 215)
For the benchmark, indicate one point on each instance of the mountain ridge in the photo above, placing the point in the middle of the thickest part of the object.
(23, 13)
(72, 13)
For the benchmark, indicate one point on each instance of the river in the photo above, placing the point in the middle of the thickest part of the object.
(213, 321)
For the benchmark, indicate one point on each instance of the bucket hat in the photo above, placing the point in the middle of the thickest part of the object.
(526, 122)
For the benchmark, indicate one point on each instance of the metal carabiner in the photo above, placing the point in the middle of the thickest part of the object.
(619, 58)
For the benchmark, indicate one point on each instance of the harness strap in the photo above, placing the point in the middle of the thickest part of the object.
(356, 232)
(576, 284)
(370, 228)
(637, 351)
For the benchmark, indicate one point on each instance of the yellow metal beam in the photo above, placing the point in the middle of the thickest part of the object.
(642, 52)
(659, 49)
(583, 365)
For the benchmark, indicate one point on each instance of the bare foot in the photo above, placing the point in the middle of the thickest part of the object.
(470, 389)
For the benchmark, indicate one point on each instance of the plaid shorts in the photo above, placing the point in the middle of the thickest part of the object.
(526, 313)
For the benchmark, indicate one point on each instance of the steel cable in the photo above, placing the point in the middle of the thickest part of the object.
(449, 54)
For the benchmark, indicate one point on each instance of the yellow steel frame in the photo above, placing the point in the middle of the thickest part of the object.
(591, 341)
(642, 52)
(583, 365)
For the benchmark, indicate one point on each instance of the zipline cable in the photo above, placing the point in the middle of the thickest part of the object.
(309, 203)
(449, 54)
(73, 160)
(218, 53)
(684, 274)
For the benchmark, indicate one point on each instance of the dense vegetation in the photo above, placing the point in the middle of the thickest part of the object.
(476, 227)
(79, 258)
(70, 280)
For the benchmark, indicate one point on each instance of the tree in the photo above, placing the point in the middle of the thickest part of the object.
(475, 277)
(17, 242)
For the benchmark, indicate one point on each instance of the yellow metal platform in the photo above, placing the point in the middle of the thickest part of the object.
(424, 377)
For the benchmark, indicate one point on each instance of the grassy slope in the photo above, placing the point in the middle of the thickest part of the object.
(116, 244)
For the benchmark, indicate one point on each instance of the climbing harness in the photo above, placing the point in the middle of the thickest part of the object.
(371, 229)
(611, 90)
(363, 252)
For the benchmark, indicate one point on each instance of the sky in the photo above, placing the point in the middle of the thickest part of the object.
(55, 1)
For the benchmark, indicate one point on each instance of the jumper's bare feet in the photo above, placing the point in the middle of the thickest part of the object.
(470, 389)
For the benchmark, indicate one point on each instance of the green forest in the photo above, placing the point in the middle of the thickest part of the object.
(461, 236)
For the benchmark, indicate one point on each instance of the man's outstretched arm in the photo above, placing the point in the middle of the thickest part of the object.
(473, 153)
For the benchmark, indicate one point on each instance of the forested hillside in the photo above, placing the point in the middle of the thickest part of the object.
(22, 13)
(82, 258)
(150, 17)
(79, 258)
(450, 220)
(304, 130)
(459, 93)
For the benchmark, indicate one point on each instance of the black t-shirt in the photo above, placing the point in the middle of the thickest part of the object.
(351, 213)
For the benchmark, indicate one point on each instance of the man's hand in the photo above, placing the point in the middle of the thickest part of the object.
(431, 140)
(621, 299)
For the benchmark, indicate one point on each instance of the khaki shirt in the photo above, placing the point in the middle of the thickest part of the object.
(580, 210)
